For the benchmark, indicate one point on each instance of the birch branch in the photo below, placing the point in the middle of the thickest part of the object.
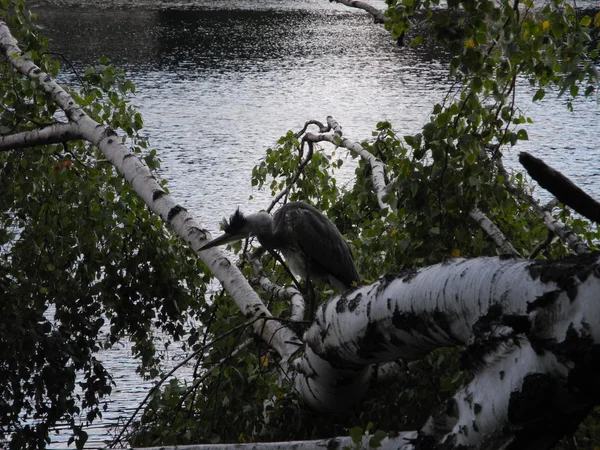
(561, 187)
(146, 186)
(345, 442)
(297, 305)
(377, 166)
(498, 306)
(493, 232)
(53, 134)
(378, 14)
(554, 225)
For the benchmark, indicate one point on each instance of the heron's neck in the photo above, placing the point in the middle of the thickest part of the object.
(261, 226)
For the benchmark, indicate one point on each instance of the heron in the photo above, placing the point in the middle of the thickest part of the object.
(310, 243)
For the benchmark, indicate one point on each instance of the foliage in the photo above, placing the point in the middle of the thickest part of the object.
(83, 263)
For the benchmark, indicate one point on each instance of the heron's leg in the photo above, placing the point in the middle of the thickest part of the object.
(278, 258)
(312, 300)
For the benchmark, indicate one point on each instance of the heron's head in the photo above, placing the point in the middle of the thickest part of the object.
(240, 227)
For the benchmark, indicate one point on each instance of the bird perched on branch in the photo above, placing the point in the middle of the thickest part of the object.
(310, 243)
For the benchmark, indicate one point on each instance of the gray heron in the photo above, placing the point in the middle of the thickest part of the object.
(310, 243)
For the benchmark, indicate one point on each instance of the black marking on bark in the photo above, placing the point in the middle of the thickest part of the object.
(475, 427)
(543, 301)
(202, 233)
(533, 399)
(474, 356)
(519, 323)
(408, 275)
(158, 193)
(572, 293)
(469, 399)
(501, 375)
(476, 408)
(373, 342)
(389, 304)
(333, 444)
(582, 354)
(109, 142)
(369, 310)
(565, 272)
(485, 323)
(443, 322)
(174, 212)
(128, 155)
(384, 282)
(354, 302)
(341, 304)
(404, 321)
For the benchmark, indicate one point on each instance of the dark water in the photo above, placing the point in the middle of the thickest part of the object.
(219, 85)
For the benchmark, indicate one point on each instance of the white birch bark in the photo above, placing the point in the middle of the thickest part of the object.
(489, 303)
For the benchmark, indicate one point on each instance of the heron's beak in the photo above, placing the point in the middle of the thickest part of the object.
(224, 239)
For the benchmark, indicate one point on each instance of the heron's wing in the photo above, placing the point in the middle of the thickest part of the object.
(322, 243)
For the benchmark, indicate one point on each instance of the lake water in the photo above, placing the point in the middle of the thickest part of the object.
(218, 85)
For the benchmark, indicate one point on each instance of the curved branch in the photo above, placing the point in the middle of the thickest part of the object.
(301, 165)
(283, 292)
(377, 167)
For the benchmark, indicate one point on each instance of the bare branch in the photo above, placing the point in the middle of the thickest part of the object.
(53, 134)
(378, 14)
(377, 167)
(493, 232)
(561, 187)
(301, 165)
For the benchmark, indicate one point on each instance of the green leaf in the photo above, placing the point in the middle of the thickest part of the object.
(540, 94)
(356, 434)
(522, 135)
(376, 439)
(585, 21)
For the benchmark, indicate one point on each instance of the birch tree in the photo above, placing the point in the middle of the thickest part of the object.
(454, 251)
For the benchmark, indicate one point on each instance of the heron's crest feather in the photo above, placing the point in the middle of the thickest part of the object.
(236, 222)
